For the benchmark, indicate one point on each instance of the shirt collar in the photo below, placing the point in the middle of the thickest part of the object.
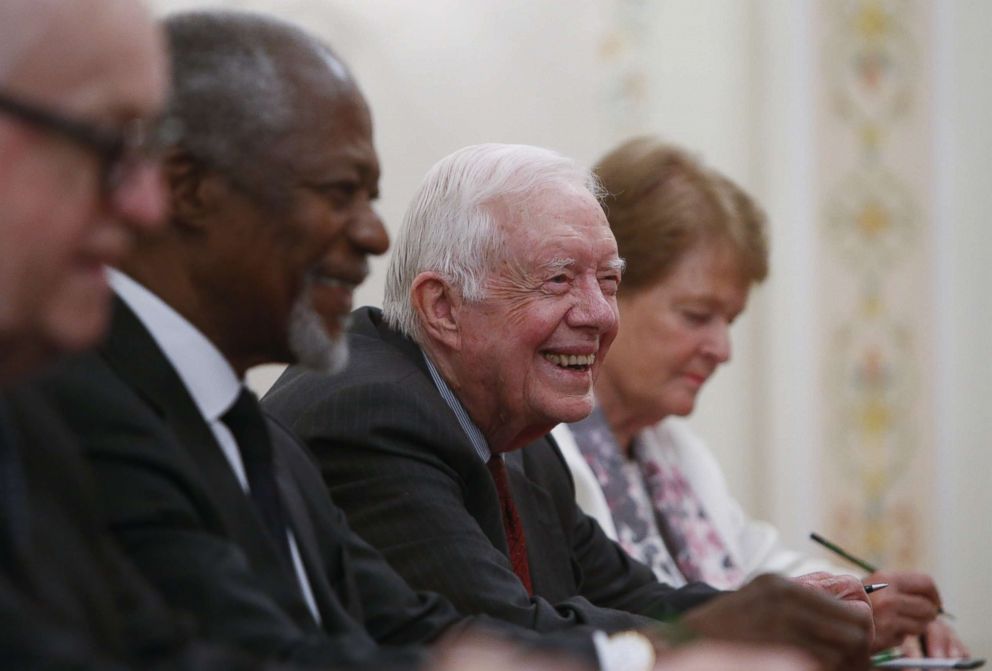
(205, 372)
(468, 426)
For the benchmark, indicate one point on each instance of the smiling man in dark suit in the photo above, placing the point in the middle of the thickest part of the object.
(500, 306)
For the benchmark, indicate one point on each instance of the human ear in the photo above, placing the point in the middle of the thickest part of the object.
(436, 304)
(193, 189)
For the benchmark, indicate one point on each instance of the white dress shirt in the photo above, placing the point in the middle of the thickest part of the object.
(207, 376)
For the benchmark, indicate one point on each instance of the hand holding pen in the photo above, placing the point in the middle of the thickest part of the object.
(907, 609)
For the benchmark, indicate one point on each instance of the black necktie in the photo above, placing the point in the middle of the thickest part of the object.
(247, 424)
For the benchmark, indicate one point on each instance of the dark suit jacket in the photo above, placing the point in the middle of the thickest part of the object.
(181, 515)
(68, 598)
(397, 461)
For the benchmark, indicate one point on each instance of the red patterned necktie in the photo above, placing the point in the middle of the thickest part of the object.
(512, 527)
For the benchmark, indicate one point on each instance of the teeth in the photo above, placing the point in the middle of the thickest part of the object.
(566, 360)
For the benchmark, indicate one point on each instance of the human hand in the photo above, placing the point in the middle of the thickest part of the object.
(905, 608)
(941, 641)
(738, 656)
(771, 609)
(483, 653)
(846, 588)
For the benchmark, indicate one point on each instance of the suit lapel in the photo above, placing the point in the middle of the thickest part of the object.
(135, 355)
(481, 490)
(303, 531)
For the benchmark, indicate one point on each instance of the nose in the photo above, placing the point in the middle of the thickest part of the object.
(593, 309)
(140, 198)
(718, 343)
(368, 233)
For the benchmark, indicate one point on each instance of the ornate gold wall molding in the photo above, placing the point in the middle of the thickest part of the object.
(874, 176)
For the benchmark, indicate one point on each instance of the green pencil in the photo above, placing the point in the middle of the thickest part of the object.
(843, 553)
(886, 656)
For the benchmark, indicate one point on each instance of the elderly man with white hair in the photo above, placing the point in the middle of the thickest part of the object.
(500, 306)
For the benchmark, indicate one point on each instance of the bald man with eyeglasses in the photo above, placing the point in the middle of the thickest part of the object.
(77, 118)
(81, 87)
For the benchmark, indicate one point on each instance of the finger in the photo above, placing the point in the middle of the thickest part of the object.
(941, 641)
(911, 647)
(919, 584)
(833, 626)
(843, 587)
(905, 626)
(957, 649)
(916, 608)
(708, 656)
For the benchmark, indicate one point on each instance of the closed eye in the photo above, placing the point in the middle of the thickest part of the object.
(558, 284)
(697, 318)
(610, 284)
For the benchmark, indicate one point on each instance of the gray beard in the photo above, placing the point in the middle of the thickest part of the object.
(309, 342)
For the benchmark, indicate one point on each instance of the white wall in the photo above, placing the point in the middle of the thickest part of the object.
(965, 381)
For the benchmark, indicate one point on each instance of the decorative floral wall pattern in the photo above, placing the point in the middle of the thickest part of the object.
(623, 53)
(874, 163)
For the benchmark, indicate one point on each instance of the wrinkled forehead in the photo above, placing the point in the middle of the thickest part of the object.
(95, 56)
(556, 224)
(543, 207)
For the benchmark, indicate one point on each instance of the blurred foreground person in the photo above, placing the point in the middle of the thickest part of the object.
(695, 244)
(484, 655)
(500, 308)
(78, 111)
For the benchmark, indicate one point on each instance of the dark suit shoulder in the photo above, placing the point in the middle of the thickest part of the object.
(384, 401)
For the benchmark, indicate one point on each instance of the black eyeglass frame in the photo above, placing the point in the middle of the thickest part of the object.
(119, 149)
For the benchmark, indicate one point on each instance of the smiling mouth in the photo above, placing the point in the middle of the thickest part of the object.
(696, 378)
(578, 362)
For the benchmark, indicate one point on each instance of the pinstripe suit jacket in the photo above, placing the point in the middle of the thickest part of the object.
(396, 460)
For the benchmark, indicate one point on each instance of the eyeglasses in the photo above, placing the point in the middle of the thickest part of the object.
(120, 150)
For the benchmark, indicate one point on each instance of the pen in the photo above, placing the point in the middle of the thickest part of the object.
(875, 586)
(871, 568)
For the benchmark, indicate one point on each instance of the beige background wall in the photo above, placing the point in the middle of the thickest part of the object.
(739, 81)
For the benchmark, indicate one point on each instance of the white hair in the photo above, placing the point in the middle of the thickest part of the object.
(22, 24)
(451, 226)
